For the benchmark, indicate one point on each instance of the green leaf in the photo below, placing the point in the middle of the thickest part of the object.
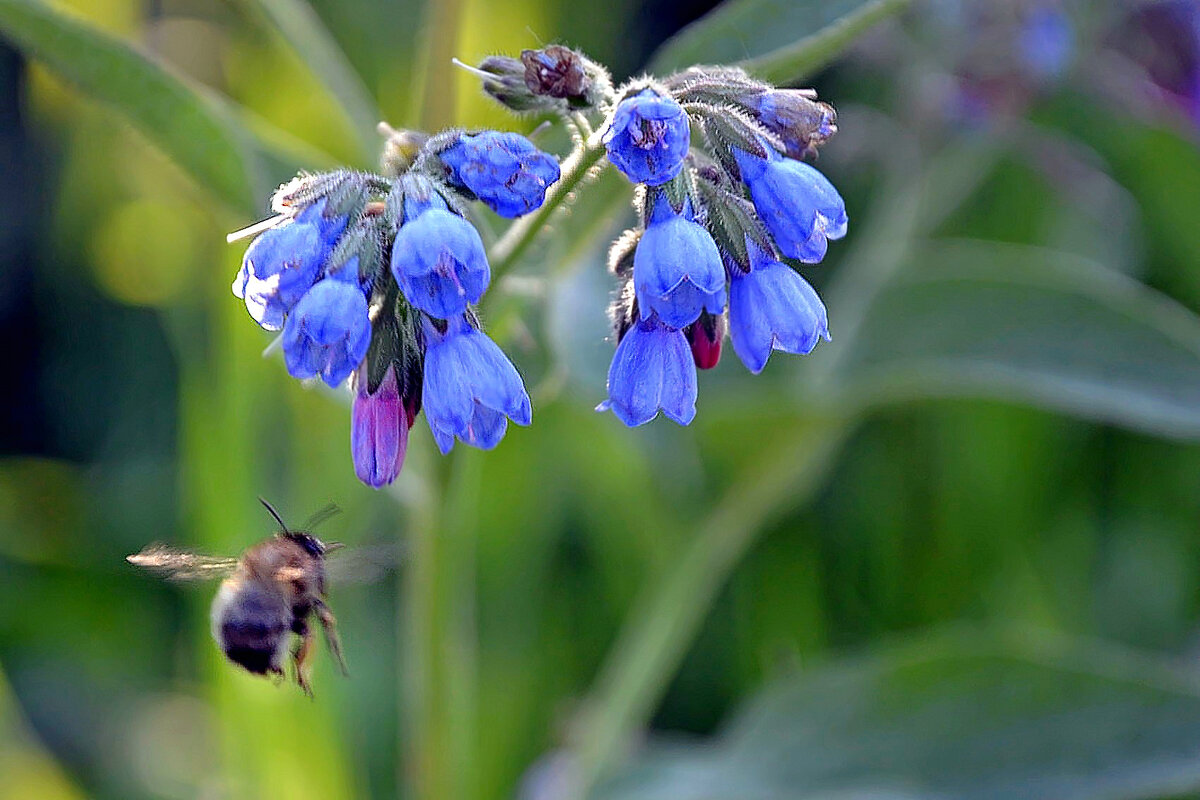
(193, 126)
(966, 715)
(1030, 325)
(300, 26)
(778, 40)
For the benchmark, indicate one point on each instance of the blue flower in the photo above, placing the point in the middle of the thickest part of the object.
(651, 370)
(798, 204)
(648, 138)
(1046, 42)
(438, 259)
(504, 170)
(677, 269)
(284, 262)
(471, 389)
(328, 332)
(773, 308)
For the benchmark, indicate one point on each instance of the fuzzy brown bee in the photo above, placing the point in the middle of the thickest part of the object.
(268, 594)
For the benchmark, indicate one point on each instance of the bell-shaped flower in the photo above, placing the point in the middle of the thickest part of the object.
(378, 430)
(438, 259)
(648, 138)
(773, 308)
(504, 170)
(677, 269)
(798, 205)
(328, 332)
(651, 370)
(282, 263)
(470, 387)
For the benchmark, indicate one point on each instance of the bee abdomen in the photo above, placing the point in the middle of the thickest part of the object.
(251, 626)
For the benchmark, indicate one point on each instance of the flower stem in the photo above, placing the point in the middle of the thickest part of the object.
(664, 621)
(509, 248)
(439, 679)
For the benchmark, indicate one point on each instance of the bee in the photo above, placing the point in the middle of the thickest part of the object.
(268, 596)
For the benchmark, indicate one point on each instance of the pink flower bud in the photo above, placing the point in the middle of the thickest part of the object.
(705, 336)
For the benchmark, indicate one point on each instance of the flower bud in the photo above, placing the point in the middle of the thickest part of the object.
(705, 336)
(504, 79)
(504, 170)
(555, 71)
(379, 431)
(802, 123)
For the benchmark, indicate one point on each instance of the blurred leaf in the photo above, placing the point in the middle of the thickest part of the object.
(299, 24)
(195, 128)
(1030, 325)
(962, 715)
(778, 40)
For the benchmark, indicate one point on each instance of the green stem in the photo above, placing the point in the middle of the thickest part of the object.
(439, 690)
(507, 251)
(665, 620)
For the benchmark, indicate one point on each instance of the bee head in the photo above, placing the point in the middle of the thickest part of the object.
(311, 544)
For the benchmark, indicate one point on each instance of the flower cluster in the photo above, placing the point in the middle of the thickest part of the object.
(372, 278)
(723, 226)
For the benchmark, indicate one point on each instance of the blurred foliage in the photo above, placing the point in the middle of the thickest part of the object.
(998, 435)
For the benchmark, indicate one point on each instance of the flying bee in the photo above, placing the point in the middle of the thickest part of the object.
(269, 593)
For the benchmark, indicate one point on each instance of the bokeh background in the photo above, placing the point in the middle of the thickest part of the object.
(953, 553)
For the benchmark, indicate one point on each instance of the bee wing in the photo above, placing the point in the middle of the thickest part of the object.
(366, 564)
(181, 565)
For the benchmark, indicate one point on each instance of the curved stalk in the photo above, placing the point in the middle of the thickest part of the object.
(664, 621)
(509, 248)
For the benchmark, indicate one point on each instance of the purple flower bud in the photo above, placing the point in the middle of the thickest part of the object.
(801, 123)
(677, 269)
(504, 170)
(651, 370)
(555, 71)
(648, 138)
(328, 332)
(797, 204)
(438, 259)
(773, 308)
(379, 431)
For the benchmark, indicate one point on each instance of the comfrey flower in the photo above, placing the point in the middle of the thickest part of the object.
(471, 389)
(284, 262)
(504, 170)
(648, 138)
(677, 268)
(651, 370)
(328, 332)
(772, 308)
(797, 204)
(379, 431)
(438, 259)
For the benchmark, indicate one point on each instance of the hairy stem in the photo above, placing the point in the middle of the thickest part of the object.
(507, 251)
(665, 620)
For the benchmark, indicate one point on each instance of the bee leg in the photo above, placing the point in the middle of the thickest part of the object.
(300, 658)
(329, 623)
